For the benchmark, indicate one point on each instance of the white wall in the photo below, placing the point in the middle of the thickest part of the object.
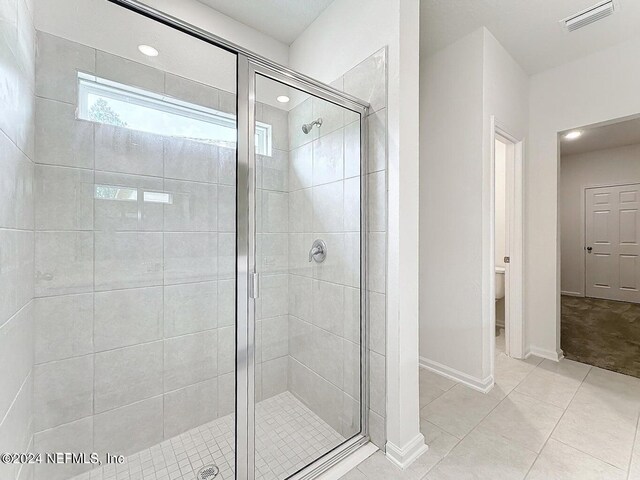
(450, 201)
(111, 28)
(463, 85)
(342, 36)
(611, 166)
(600, 87)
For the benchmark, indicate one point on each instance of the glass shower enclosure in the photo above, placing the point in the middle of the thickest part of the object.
(199, 256)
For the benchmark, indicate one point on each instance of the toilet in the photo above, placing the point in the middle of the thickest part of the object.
(499, 283)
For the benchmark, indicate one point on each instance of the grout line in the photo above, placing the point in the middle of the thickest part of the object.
(635, 442)
(558, 423)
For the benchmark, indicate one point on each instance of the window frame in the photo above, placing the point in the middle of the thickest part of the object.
(92, 84)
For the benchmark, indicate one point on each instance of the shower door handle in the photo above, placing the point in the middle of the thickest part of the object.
(254, 285)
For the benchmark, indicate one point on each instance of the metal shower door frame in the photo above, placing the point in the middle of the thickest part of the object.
(248, 70)
(250, 64)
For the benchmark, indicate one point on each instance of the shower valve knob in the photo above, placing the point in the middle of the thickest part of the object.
(318, 251)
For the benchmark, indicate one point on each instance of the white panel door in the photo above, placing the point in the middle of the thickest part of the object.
(613, 243)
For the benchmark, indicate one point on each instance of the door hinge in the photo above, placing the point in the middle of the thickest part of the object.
(507, 259)
(254, 285)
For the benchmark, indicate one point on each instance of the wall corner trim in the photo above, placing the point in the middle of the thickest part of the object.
(481, 385)
(404, 456)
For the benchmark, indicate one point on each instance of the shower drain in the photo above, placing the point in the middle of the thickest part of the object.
(208, 472)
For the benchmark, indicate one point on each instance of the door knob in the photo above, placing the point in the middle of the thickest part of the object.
(589, 249)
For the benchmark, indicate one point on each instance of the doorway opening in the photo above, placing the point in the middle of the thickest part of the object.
(600, 245)
(506, 267)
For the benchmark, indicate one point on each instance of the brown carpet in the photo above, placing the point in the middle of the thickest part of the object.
(603, 333)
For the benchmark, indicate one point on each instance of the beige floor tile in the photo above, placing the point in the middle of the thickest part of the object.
(566, 368)
(378, 467)
(634, 471)
(354, 474)
(614, 390)
(561, 462)
(460, 409)
(509, 372)
(440, 444)
(482, 456)
(599, 427)
(554, 382)
(432, 386)
(523, 420)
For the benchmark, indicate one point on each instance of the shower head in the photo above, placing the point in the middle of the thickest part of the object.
(306, 128)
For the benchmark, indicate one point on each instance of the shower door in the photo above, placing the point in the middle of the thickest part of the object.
(302, 373)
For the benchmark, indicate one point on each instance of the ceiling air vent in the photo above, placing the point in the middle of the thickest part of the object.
(588, 16)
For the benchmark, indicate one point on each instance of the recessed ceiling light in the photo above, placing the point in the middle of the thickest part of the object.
(283, 99)
(573, 135)
(148, 50)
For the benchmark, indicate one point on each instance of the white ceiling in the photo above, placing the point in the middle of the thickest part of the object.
(598, 138)
(528, 29)
(283, 20)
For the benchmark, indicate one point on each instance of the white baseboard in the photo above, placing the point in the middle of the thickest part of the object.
(341, 468)
(572, 294)
(482, 385)
(405, 456)
(556, 356)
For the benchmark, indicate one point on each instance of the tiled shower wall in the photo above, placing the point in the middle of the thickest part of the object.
(324, 202)
(135, 306)
(17, 72)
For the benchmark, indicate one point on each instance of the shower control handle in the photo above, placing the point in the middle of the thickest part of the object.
(318, 251)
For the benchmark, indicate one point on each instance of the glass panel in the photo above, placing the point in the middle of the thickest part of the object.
(135, 199)
(307, 373)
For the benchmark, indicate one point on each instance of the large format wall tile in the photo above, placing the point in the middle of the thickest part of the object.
(328, 158)
(129, 429)
(194, 92)
(126, 375)
(190, 359)
(121, 203)
(191, 160)
(125, 150)
(127, 317)
(60, 138)
(16, 274)
(63, 327)
(368, 80)
(190, 257)
(72, 437)
(57, 65)
(63, 263)
(16, 187)
(16, 355)
(16, 428)
(64, 198)
(129, 72)
(190, 407)
(63, 391)
(190, 308)
(193, 207)
(127, 260)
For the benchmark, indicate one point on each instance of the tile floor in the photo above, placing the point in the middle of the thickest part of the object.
(288, 437)
(542, 421)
